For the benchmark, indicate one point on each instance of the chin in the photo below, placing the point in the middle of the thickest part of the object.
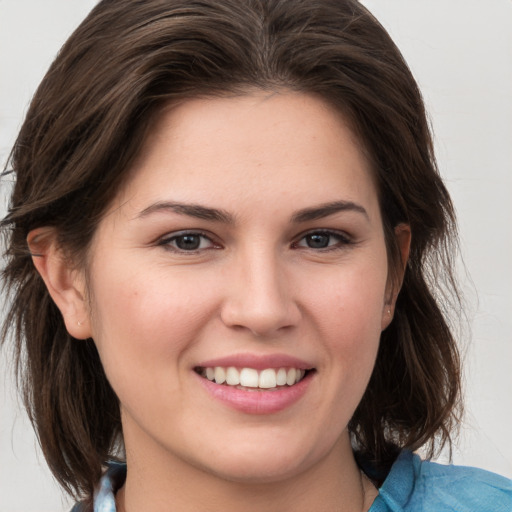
(258, 462)
(254, 472)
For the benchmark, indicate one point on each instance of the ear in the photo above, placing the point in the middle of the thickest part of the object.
(65, 283)
(403, 239)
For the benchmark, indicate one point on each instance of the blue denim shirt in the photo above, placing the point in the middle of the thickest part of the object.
(412, 485)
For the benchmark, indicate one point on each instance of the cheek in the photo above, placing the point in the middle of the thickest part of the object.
(143, 321)
(348, 314)
(352, 300)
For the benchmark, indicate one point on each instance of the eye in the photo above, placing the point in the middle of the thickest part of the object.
(323, 240)
(187, 242)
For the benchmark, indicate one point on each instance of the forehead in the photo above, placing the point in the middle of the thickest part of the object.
(256, 146)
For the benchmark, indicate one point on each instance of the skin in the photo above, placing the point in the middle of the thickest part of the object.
(253, 286)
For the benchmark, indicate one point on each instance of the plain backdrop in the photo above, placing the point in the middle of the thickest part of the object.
(461, 54)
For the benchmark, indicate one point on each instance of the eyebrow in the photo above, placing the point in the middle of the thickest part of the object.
(219, 215)
(326, 209)
(192, 210)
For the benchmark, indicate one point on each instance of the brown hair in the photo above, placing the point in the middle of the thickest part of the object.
(85, 125)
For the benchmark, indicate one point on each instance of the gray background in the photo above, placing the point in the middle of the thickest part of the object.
(461, 54)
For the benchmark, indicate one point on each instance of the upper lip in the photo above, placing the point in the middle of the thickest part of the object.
(257, 361)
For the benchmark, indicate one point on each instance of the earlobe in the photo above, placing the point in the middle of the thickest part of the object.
(403, 239)
(65, 284)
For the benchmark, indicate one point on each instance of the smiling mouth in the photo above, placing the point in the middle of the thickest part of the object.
(251, 379)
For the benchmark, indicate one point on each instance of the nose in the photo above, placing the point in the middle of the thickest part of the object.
(259, 295)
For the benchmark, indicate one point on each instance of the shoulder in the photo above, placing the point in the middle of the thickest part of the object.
(420, 486)
(81, 507)
(461, 488)
(104, 494)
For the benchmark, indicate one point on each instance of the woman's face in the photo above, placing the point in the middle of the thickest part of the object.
(248, 237)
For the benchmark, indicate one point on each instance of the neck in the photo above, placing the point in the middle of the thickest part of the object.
(333, 484)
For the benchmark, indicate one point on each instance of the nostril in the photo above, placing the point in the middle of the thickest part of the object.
(260, 321)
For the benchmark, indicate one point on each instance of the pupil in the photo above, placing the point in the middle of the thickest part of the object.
(318, 241)
(188, 242)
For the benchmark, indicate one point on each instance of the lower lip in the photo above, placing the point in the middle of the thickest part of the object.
(260, 401)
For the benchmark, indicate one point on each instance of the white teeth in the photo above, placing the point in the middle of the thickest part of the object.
(267, 379)
(281, 377)
(250, 378)
(219, 375)
(291, 376)
(232, 376)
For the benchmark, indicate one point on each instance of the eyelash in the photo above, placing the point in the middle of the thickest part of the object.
(168, 240)
(342, 241)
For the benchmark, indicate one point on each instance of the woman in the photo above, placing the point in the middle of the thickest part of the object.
(243, 313)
